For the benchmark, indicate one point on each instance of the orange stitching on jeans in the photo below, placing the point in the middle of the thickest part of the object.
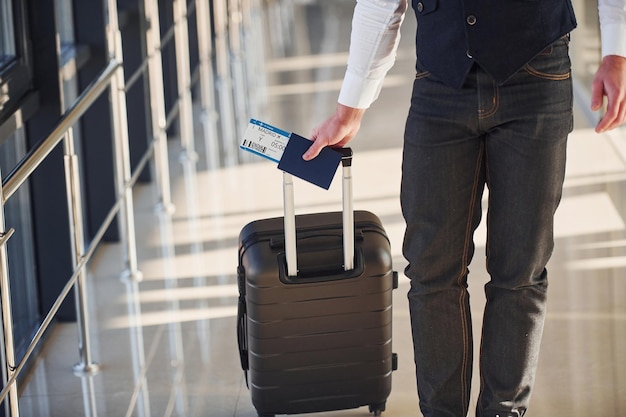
(496, 104)
(463, 295)
(545, 75)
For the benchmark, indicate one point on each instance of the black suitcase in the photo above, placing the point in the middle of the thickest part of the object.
(314, 329)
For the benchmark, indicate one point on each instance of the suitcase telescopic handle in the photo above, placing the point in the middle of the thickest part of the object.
(347, 216)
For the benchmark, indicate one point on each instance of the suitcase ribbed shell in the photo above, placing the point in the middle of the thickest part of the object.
(320, 341)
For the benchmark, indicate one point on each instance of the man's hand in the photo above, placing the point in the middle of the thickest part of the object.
(336, 131)
(610, 81)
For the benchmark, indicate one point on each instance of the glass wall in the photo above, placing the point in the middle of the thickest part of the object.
(7, 35)
(15, 84)
(15, 71)
(24, 293)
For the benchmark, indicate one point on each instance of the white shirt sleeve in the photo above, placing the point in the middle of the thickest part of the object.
(613, 26)
(373, 45)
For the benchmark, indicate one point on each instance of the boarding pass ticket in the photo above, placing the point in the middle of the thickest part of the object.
(265, 140)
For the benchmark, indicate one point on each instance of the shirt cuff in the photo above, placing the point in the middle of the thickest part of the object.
(358, 92)
(614, 39)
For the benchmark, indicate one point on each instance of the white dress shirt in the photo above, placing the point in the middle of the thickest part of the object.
(376, 34)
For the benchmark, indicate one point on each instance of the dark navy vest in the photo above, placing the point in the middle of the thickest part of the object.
(500, 35)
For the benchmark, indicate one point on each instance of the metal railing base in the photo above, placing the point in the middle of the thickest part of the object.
(81, 369)
(164, 208)
(188, 156)
(131, 276)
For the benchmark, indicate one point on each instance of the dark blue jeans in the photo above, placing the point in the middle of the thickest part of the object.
(511, 138)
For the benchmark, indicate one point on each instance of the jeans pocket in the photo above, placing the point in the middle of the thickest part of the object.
(552, 63)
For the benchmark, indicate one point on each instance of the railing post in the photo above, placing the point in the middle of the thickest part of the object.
(224, 83)
(7, 313)
(183, 70)
(157, 102)
(123, 171)
(75, 211)
(208, 116)
(254, 50)
(240, 84)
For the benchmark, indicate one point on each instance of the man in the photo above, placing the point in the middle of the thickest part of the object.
(491, 106)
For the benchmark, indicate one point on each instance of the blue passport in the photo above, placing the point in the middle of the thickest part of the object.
(319, 171)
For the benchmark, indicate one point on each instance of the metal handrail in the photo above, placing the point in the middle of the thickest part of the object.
(99, 235)
(15, 179)
(34, 158)
(112, 79)
(109, 78)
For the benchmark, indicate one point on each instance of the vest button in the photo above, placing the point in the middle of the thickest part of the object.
(469, 55)
(471, 20)
(420, 7)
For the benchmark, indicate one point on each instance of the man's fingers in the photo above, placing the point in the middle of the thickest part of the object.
(610, 82)
(615, 113)
(313, 151)
(336, 131)
(597, 95)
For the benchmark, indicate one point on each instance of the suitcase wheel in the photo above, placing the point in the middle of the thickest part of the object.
(377, 409)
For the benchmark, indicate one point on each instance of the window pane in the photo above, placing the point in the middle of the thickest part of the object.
(64, 21)
(24, 294)
(7, 34)
(65, 30)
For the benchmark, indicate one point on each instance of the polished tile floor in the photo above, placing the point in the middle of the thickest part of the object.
(167, 346)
